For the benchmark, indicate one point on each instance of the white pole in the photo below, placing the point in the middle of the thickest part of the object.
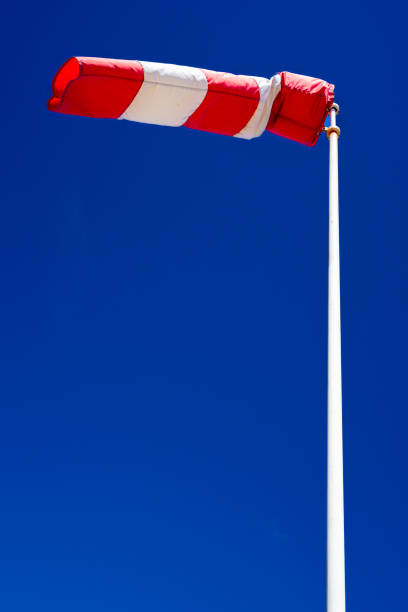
(336, 599)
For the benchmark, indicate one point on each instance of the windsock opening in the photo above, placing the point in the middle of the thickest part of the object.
(95, 87)
(68, 72)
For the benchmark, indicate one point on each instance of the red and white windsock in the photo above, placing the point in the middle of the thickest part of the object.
(290, 105)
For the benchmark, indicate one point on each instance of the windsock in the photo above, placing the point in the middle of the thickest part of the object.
(290, 105)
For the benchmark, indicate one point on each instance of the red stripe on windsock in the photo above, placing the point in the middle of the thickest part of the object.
(301, 108)
(228, 106)
(95, 87)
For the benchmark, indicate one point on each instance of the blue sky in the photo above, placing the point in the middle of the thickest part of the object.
(163, 322)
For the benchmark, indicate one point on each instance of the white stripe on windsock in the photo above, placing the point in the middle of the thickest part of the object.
(168, 96)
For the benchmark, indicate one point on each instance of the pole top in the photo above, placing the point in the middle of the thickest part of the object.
(335, 107)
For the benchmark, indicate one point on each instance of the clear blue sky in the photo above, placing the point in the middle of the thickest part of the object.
(163, 322)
